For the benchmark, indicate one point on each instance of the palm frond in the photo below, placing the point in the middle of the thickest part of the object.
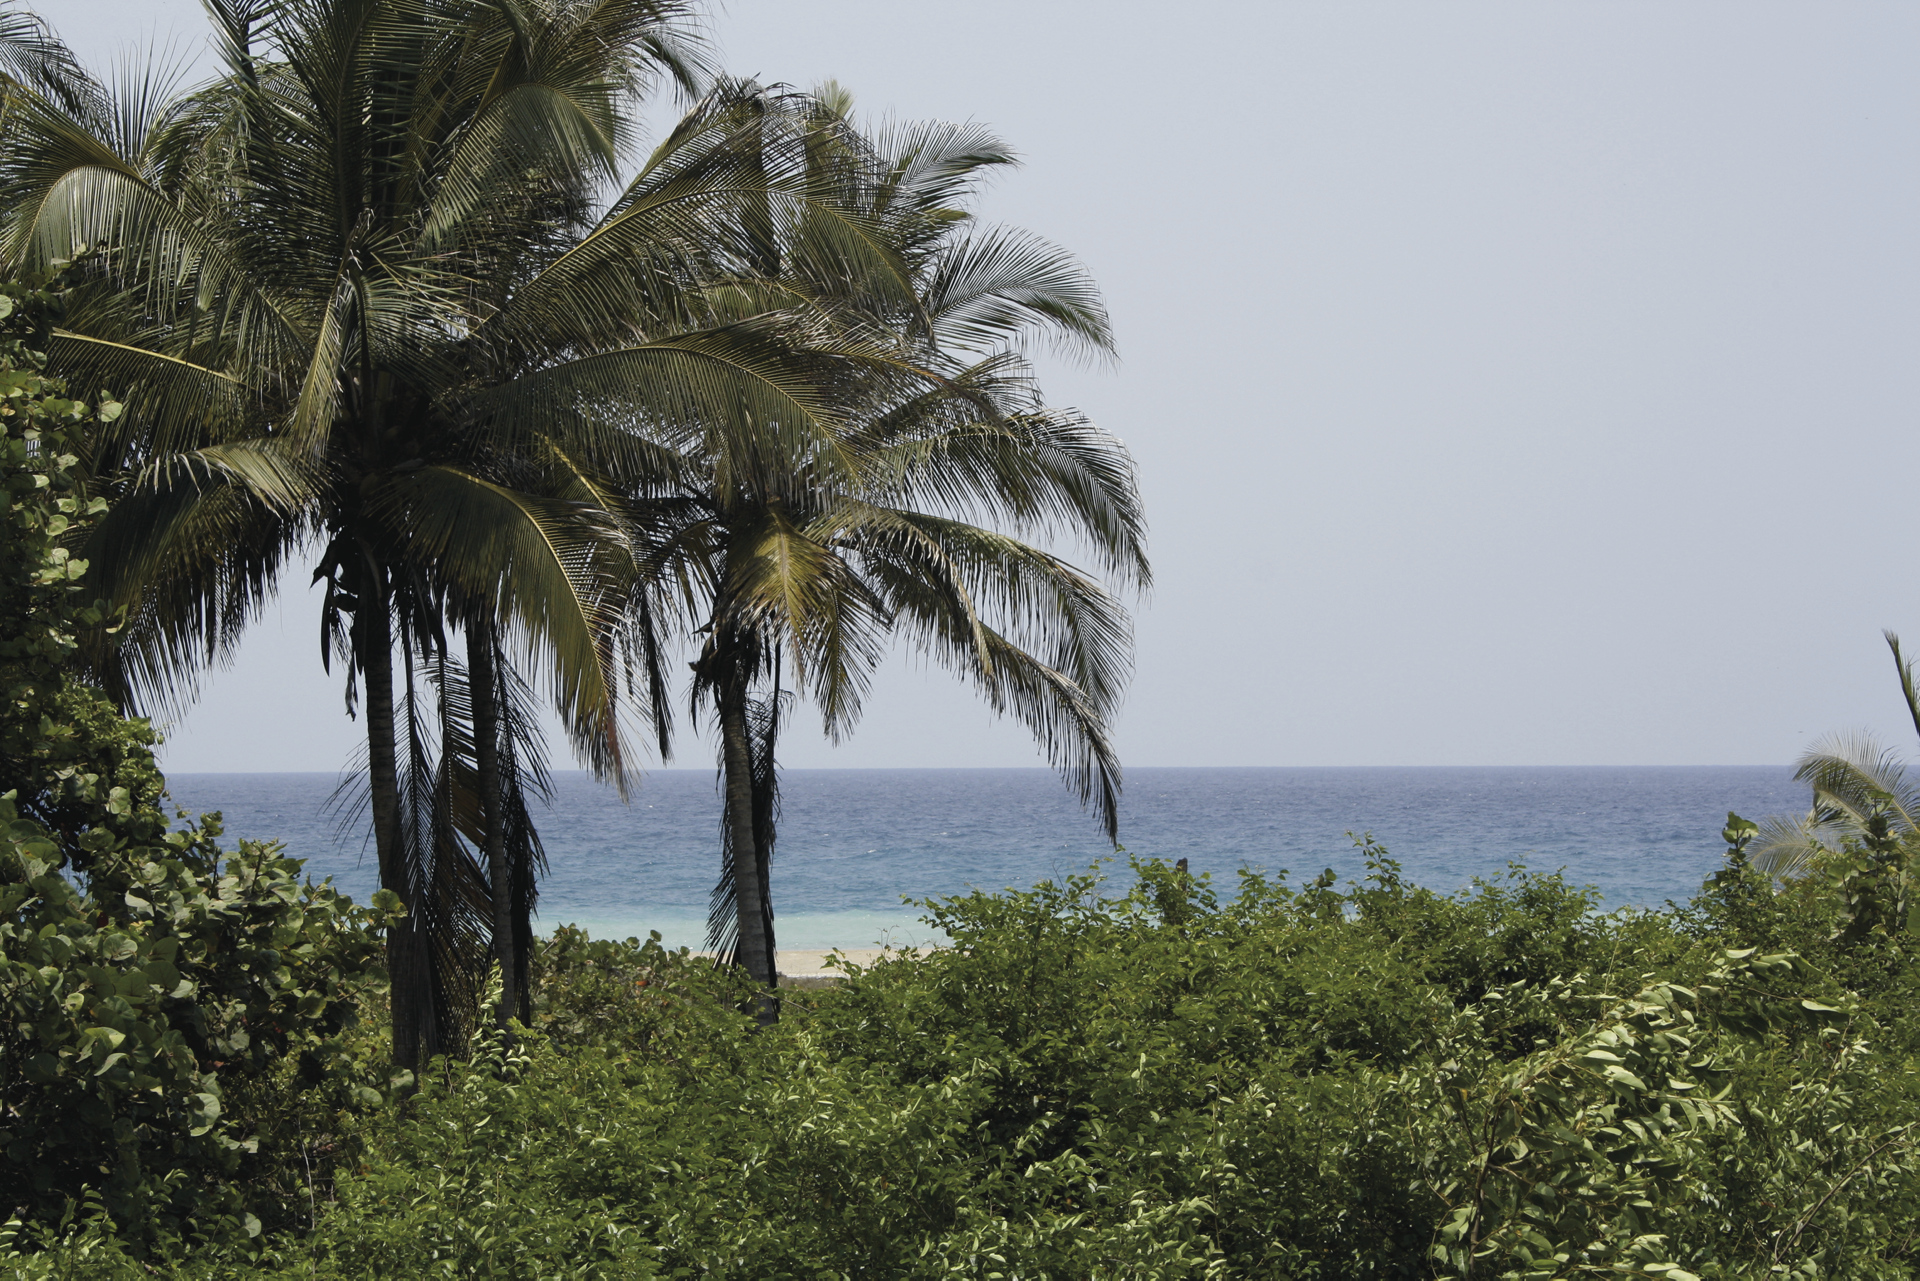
(932, 167)
(1855, 777)
(188, 554)
(782, 581)
(532, 136)
(1002, 285)
(744, 389)
(1786, 847)
(1028, 597)
(1905, 667)
(172, 405)
(32, 57)
(734, 191)
(1069, 726)
(1036, 470)
(551, 569)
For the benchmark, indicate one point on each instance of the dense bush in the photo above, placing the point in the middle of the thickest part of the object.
(164, 1009)
(1361, 1081)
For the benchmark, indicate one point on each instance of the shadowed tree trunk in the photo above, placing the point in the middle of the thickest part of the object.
(755, 946)
(485, 690)
(525, 886)
(407, 959)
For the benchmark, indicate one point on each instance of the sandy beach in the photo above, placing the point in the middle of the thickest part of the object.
(807, 967)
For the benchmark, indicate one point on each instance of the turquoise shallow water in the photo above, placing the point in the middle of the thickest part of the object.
(853, 843)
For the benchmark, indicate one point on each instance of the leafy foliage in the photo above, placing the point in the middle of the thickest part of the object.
(1326, 1081)
(145, 979)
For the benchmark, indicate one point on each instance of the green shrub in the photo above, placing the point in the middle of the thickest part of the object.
(1330, 1082)
(146, 982)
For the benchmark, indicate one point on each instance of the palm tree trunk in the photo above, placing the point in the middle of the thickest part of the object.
(486, 736)
(520, 867)
(407, 961)
(756, 938)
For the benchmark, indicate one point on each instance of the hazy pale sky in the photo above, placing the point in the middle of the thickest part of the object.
(1511, 383)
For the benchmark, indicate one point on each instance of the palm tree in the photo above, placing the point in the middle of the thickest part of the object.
(358, 293)
(811, 550)
(1862, 795)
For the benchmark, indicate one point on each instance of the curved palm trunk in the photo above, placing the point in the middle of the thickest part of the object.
(408, 962)
(755, 948)
(493, 816)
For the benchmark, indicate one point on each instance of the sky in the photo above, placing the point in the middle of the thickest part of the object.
(1510, 383)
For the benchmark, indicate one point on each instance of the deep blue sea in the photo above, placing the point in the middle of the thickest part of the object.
(854, 843)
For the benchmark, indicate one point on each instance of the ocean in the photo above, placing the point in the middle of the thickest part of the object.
(853, 844)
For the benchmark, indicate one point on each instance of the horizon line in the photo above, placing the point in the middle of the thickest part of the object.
(1033, 769)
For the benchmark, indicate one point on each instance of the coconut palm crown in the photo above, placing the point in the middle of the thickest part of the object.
(801, 555)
